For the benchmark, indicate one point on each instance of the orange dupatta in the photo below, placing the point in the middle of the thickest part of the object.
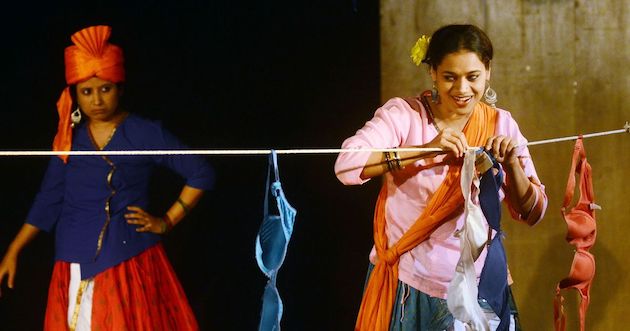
(378, 298)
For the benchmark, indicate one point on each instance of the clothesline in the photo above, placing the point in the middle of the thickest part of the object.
(626, 129)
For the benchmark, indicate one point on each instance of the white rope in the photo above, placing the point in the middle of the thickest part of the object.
(214, 152)
(626, 129)
(278, 151)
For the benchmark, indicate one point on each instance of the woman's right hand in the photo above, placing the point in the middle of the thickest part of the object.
(8, 267)
(451, 141)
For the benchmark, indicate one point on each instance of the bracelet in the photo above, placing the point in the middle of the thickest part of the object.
(398, 161)
(184, 206)
(388, 160)
(393, 161)
(167, 224)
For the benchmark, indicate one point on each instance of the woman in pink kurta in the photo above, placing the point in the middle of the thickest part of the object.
(429, 267)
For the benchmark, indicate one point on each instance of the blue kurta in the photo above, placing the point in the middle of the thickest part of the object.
(73, 197)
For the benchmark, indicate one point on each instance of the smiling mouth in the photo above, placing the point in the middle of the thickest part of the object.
(462, 101)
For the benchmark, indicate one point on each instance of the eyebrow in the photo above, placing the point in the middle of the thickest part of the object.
(468, 73)
(97, 87)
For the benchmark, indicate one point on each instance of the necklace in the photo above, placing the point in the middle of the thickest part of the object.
(104, 143)
(109, 137)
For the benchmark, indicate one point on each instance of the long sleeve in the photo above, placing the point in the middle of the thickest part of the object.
(393, 125)
(508, 126)
(142, 134)
(99, 190)
(194, 168)
(46, 208)
(429, 266)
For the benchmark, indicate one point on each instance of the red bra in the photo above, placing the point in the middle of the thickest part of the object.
(581, 232)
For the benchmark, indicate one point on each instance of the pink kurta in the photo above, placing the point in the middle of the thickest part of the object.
(430, 266)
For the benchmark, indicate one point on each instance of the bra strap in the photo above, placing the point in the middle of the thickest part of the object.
(579, 157)
(273, 163)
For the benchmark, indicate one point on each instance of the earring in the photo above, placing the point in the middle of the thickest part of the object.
(75, 117)
(490, 96)
(435, 97)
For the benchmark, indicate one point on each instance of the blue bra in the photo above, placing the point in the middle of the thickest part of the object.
(493, 286)
(271, 246)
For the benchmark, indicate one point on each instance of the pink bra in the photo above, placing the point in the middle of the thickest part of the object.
(581, 232)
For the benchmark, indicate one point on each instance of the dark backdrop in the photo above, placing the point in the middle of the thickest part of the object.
(220, 75)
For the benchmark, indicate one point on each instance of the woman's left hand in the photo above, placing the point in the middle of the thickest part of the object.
(504, 150)
(145, 221)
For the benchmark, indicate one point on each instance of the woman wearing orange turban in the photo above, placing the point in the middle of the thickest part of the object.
(111, 272)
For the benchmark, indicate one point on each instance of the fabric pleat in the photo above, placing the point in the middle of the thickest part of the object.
(142, 293)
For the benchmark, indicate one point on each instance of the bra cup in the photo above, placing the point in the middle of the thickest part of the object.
(582, 271)
(581, 228)
(581, 232)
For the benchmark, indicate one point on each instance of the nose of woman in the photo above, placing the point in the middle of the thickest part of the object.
(97, 98)
(461, 85)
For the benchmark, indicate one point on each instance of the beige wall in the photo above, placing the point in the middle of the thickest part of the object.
(561, 68)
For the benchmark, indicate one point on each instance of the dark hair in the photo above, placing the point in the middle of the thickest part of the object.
(453, 38)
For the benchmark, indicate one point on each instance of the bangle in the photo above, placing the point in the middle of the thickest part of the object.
(393, 161)
(167, 224)
(397, 160)
(184, 206)
(388, 160)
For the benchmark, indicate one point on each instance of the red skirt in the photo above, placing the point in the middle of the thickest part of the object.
(142, 293)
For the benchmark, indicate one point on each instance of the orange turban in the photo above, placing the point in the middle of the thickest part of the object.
(90, 56)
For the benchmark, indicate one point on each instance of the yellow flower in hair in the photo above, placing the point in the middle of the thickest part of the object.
(419, 50)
